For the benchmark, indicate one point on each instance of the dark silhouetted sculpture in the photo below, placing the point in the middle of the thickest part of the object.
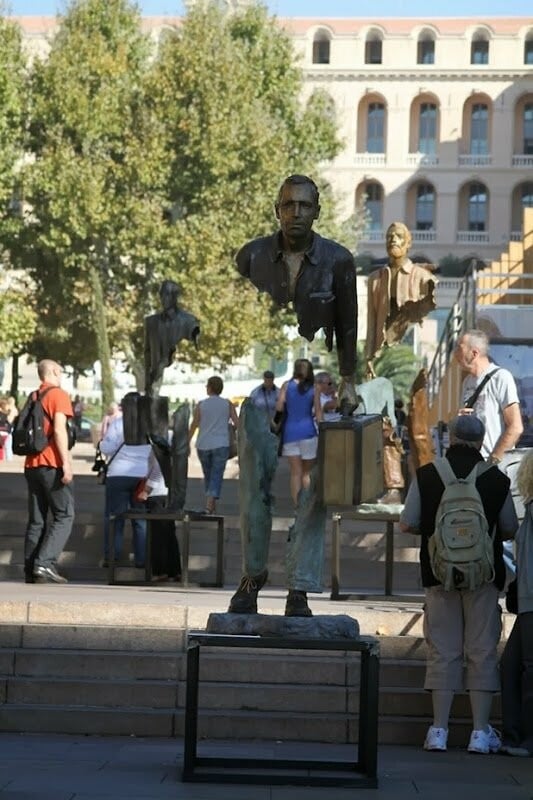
(162, 332)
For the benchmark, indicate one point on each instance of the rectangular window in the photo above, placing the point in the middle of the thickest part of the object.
(376, 128)
(479, 53)
(427, 133)
(426, 52)
(373, 51)
(479, 142)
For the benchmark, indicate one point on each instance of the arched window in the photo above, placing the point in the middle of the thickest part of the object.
(477, 207)
(375, 138)
(321, 48)
(528, 49)
(425, 207)
(527, 194)
(528, 129)
(479, 129)
(374, 205)
(373, 50)
(425, 51)
(427, 129)
(479, 49)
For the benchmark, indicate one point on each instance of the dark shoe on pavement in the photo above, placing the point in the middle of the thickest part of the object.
(244, 601)
(47, 575)
(296, 605)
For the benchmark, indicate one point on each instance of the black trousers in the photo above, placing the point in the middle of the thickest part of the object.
(517, 684)
(50, 516)
(165, 552)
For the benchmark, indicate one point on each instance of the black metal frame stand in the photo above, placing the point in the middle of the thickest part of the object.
(186, 518)
(361, 773)
(389, 519)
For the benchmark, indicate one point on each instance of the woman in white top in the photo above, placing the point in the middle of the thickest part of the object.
(126, 464)
(211, 417)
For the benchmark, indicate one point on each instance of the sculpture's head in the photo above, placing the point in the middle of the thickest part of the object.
(398, 240)
(297, 206)
(169, 293)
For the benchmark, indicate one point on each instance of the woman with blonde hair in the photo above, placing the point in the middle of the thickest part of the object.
(517, 660)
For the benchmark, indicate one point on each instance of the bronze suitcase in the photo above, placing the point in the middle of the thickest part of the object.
(350, 460)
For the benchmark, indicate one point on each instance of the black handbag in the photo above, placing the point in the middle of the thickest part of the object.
(101, 466)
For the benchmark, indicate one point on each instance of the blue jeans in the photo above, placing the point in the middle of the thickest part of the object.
(213, 465)
(119, 498)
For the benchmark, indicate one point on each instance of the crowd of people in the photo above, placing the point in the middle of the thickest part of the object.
(462, 622)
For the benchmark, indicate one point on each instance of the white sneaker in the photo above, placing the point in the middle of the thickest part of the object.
(515, 750)
(436, 739)
(485, 741)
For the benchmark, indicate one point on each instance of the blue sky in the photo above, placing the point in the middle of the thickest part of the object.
(330, 8)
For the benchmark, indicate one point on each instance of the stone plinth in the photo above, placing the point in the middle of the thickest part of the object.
(322, 626)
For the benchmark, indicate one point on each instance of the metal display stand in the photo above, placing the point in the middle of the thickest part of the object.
(389, 517)
(183, 517)
(362, 772)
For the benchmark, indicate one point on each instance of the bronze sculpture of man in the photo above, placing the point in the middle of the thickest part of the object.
(317, 275)
(162, 332)
(399, 294)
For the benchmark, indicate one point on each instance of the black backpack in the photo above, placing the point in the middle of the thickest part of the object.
(29, 437)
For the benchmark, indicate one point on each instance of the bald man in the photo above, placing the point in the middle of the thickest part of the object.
(49, 478)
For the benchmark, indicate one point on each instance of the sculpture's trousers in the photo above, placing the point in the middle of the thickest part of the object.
(305, 548)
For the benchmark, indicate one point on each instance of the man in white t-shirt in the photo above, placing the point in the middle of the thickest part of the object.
(497, 404)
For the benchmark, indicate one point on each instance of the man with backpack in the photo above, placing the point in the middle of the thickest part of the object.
(462, 509)
(48, 473)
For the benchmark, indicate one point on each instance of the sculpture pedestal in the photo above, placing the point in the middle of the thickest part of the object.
(321, 626)
(361, 772)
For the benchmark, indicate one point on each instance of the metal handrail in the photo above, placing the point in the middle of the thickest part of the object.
(461, 317)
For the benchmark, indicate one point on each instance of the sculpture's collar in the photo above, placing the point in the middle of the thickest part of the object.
(312, 252)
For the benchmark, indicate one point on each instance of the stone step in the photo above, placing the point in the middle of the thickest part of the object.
(90, 692)
(95, 665)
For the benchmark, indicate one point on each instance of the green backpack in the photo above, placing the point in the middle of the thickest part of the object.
(461, 549)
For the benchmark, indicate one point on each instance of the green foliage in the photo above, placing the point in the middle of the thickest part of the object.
(206, 128)
(13, 110)
(401, 366)
(452, 267)
(17, 319)
(95, 185)
(230, 91)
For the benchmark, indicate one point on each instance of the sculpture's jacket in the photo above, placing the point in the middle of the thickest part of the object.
(325, 294)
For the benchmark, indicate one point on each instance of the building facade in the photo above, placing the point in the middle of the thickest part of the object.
(436, 119)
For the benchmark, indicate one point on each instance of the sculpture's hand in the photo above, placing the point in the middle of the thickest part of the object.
(370, 373)
(348, 401)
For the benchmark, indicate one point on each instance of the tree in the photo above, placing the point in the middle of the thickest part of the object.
(229, 89)
(95, 186)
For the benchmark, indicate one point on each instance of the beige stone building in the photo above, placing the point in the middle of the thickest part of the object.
(436, 117)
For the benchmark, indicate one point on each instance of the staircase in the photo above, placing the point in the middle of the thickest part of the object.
(93, 665)
(506, 282)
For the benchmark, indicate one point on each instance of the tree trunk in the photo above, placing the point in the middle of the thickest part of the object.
(13, 390)
(102, 340)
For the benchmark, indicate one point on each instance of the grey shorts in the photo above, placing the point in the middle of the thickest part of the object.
(462, 628)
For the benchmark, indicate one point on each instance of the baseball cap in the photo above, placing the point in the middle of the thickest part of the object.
(467, 428)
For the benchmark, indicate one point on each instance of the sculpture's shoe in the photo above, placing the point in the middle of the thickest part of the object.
(296, 605)
(244, 601)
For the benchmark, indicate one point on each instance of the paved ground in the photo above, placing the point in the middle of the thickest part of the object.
(60, 767)
(53, 767)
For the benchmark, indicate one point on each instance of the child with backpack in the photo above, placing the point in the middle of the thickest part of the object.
(462, 509)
